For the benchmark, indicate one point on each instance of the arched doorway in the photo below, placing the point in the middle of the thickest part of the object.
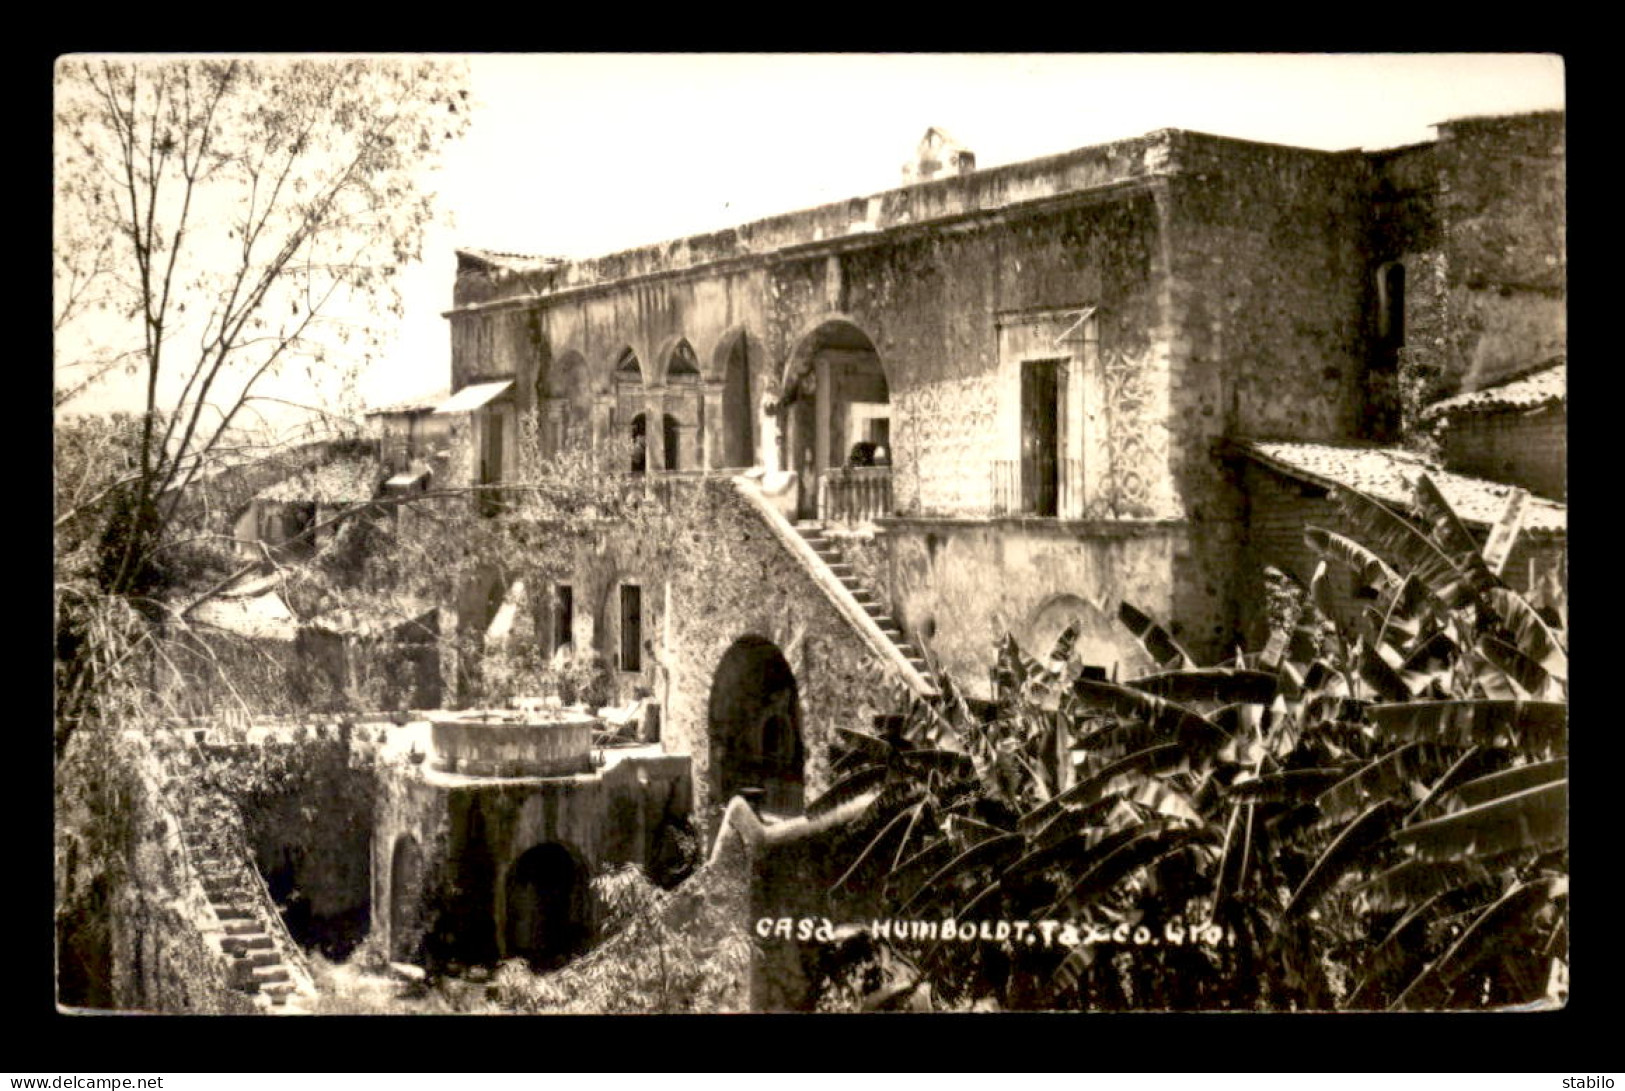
(837, 406)
(405, 899)
(546, 902)
(755, 728)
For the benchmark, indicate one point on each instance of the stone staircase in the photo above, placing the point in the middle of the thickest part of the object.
(821, 560)
(812, 532)
(261, 956)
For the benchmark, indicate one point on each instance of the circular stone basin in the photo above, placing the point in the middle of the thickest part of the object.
(490, 744)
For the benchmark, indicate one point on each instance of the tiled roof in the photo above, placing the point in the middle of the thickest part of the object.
(1547, 386)
(1389, 474)
(342, 481)
(420, 404)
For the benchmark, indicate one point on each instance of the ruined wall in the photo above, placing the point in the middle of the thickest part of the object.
(958, 588)
(1478, 220)
(1502, 214)
(130, 915)
(469, 833)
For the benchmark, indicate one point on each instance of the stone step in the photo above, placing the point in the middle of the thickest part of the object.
(239, 927)
(842, 569)
(265, 957)
(866, 598)
(233, 912)
(243, 945)
(265, 975)
(875, 609)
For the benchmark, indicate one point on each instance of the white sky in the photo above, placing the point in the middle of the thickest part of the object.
(578, 155)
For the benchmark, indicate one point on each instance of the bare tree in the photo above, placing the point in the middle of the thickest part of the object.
(217, 221)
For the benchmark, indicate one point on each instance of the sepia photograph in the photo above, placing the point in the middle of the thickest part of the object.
(809, 533)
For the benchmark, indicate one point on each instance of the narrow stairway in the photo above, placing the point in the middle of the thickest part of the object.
(256, 963)
(812, 532)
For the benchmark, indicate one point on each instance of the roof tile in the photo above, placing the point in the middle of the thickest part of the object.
(1390, 473)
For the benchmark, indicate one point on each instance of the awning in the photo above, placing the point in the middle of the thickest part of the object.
(473, 397)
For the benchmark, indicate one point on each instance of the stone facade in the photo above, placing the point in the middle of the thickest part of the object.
(1050, 356)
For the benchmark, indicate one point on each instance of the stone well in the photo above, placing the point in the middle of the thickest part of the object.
(491, 744)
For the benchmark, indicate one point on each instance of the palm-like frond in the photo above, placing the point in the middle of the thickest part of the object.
(1531, 818)
(1529, 726)
(1158, 643)
(1511, 913)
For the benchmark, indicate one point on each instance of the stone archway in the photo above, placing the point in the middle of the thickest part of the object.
(837, 407)
(755, 733)
(546, 907)
(1101, 642)
(405, 899)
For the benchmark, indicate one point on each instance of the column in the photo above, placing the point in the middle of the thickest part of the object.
(712, 427)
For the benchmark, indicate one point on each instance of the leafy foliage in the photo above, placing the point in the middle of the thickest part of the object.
(1374, 819)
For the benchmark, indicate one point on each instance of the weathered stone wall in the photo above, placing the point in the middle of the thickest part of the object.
(1267, 299)
(1502, 212)
(959, 587)
(1478, 219)
(470, 833)
(743, 582)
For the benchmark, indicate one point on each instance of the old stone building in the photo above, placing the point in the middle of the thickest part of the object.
(996, 401)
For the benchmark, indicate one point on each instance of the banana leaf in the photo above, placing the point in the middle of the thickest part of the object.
(1447, 532)
(907, 815)
(1414, 553)
(850, 787)
(1418, 880)
(1386, 777)
(989, 853)
(1288, 786)
(1223, 684)
(1529, 726)
(1355, 840)
(1531, 818)
(1485, 938)
(1166, 719)
(1164, 650)
(1528, 631)
(1505, 673)
(1505, 782)
(1153, 759)
(1143, 847)
(1371, 570)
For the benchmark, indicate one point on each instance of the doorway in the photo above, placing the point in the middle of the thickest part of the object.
(1040, 436)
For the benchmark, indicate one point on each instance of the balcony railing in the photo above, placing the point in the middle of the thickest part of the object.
(855, 494)
(1012, 492)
